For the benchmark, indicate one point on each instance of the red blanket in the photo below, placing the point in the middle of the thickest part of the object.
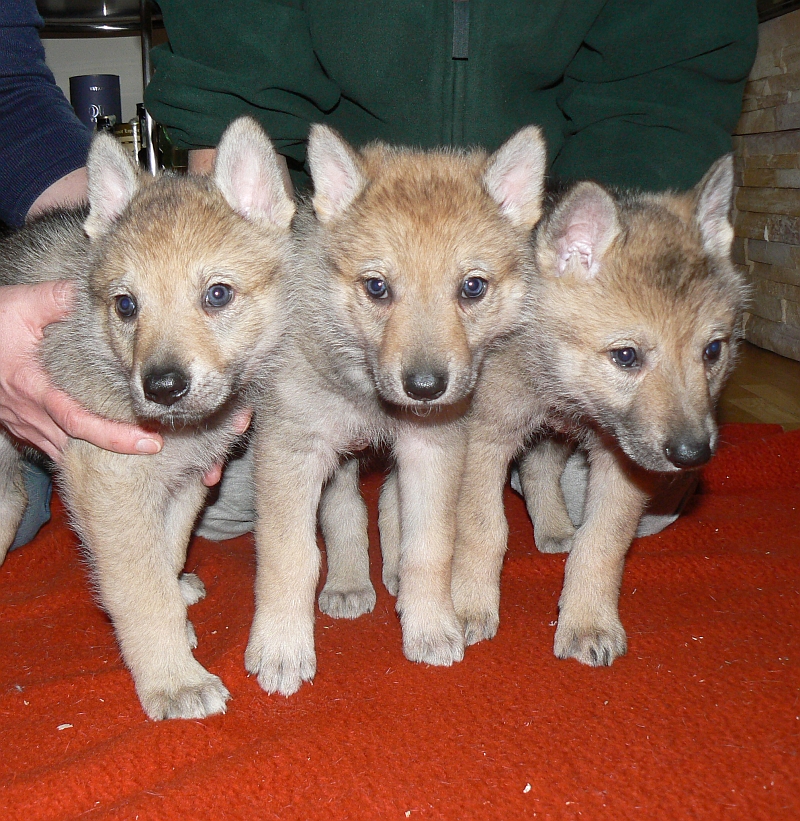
(700, 720)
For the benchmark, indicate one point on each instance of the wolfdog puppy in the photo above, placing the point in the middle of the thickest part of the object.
(634, 331)
(178, 308)
(411, 269)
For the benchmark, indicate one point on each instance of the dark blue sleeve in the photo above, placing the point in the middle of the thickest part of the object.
(41, 139)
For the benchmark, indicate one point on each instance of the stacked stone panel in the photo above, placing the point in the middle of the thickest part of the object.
(767, 204)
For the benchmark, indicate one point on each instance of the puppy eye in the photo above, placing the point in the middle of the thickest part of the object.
(125, 306)
(625, 357)
(713, 351)
(376, 288)
(218, 296)
(474, 288)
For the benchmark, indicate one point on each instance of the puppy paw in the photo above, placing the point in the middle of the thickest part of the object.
(347, 604)
(391, 581)
(596, 645)
(480, 626)
(191, 635)
(477, 605)
(196, 699)
(434, 641)
(553, 543)
(192, 589)
(279, 667)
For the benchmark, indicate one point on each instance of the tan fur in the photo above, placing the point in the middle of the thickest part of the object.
(395, 370)
(162, 244)
(650, 274)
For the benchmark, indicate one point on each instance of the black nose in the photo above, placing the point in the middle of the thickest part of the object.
(425, 385)
(165, 385)
(688, 453)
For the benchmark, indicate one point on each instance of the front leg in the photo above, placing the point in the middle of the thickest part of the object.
(348, 591)
(482, 536)
(589, 627)
(389, 527)
(136, 530)
(13, 497)
(290, 469)
(540, 471)
(429, 465)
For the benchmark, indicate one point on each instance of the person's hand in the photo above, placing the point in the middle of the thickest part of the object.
(241, 422)
(30, 407)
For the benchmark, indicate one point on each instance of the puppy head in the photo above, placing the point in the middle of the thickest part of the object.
(426, 256)
(188, 272)
(641, 315)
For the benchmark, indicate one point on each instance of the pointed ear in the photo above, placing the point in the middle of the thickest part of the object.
(336, 170)
(113, 180)
(514, 177)
(713, 209)
(580, 231)
(247, 172)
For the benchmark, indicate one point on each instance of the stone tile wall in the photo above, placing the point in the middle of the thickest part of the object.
(767, 205)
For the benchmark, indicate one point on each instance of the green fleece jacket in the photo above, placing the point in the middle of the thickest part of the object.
(629, 92)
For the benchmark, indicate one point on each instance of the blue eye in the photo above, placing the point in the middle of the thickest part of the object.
(125, 306)
(218, 295)
(376, 288)
(625, 357)
(474, 288)
(712, 352)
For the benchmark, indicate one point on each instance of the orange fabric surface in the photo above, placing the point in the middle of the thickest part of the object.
(700, 720)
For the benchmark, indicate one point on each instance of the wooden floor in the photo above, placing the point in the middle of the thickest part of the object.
(764, 387)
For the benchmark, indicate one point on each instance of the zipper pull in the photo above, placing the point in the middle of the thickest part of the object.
(460, 29)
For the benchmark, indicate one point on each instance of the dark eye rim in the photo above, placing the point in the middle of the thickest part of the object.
(125, 314)
(385, 293)
(636, 362)
(229, 294)
(484, 287)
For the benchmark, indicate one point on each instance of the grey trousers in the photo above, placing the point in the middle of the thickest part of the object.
(663, 509)
(233, 512)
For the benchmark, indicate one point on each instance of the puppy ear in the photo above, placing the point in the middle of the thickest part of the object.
(113, 180)
(514, 177)
(580, 231)
(336, 171)
(247, 172)
(714, 195)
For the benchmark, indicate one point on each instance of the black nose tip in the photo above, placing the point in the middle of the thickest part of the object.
(688, 453)
(165, 386)
(425, 385)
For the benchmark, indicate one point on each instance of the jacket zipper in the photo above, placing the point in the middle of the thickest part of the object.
(460, 55)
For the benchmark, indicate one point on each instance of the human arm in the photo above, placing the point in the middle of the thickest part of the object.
(259, 61)
(42, 156)
(655, 91)
(43, 142)
(64, 192)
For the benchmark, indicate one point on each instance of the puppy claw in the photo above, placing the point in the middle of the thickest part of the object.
(192, 588)
(480, 627)
(280, 672)
(347, 604)
(554, 544)
(195, 700)
(391, 581)
(477, 606)
(596, 647)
